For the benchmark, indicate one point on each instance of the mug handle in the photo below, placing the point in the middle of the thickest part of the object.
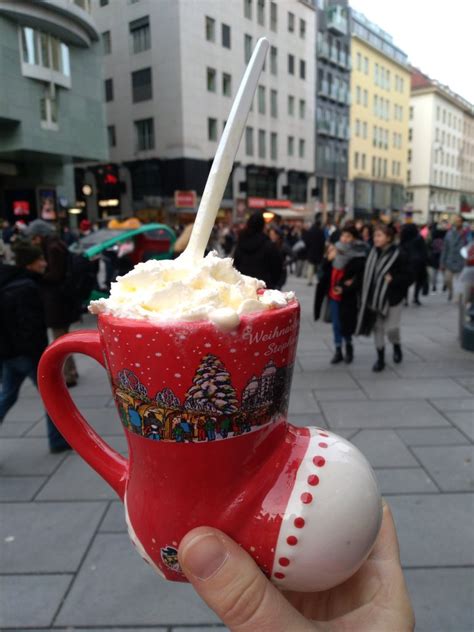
(108, 463)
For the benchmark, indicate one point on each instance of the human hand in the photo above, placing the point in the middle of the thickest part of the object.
(388, 278)
(229, 581)
(337, 290)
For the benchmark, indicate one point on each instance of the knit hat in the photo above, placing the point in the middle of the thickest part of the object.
(25, 253)
(39, 228)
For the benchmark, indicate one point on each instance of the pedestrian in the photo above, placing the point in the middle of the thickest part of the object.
(451, 261)
(415, 249)
(61, 310)
(340, 281)
(23, 333)
(255, 254)
(435, 248)
(315, 242)
(387, 278)
(277, 237)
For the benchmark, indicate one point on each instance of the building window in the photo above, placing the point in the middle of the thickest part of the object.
(40, 49)
(364, 129)
(273, 103)
(273, 16)
(437, 112)
(363, 162)
(273, 146)
(225, 36)
(211, 79)
(247, 48)
(356, 160)
(366, 65)
(410, 134)
(261, 143)
(111, 135)
(291, 145)
(210, 29)
(248, 9)
(374, 166)
(358, 93)
(409, 177)
(106, 43)
(140, 35)
(261, 99)
(291, 64)
(104, 3)
(359, 61)
(302, 69)
(212, 129)
(261, 12)
(49, 113)
(142, 85)
(302, 28)
(226, 84)
(291, 22)
(409, 155)
(302, 108)
(273, 60)
(291, 105)
(301, 148)
(249, 141)
(109, 90)
(144, 134)
(366, 98)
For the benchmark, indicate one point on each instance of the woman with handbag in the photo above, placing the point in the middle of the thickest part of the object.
(340, 281)
(387, 278)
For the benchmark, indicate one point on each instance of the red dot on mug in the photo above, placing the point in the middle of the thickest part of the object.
(306, 498)
(279, 575)
(319, 461)
(284, 561)
(313, 480)
(299, 523)
(292, 540)
(323, 444)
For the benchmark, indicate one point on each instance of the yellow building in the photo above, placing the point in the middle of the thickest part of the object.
(379, 116)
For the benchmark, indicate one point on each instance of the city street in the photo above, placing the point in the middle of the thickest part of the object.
(66, 561)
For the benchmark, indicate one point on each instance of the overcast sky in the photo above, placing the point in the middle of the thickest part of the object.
(437, 36)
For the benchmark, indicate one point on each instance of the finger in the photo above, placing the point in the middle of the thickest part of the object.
(230, 582)
(386, 547)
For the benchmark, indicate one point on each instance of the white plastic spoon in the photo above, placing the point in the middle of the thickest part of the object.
(225, 155)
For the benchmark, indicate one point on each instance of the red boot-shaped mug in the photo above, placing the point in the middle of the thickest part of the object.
(205, 417)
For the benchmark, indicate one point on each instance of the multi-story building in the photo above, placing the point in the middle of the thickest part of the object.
(441, 153)
(380, 99)
(51, 104)
(170, 79)
(332, 103)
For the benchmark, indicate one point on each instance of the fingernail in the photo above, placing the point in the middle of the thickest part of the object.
(204, 556)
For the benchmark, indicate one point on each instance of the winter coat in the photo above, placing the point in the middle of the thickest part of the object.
(257, 256)
(60, 311)
(375, 289)
(415, 249)
(22, 324)
(451, 257)
(350, 297)
(315, 242)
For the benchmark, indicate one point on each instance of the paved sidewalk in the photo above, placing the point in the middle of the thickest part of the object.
(65, 558)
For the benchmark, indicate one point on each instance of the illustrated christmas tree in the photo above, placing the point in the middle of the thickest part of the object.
(212, 391)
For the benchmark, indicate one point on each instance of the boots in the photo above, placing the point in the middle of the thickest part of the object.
(337, 357)
(349, 353)
(397, 353)
(380, 364)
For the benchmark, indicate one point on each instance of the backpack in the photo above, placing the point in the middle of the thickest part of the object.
(79, 280)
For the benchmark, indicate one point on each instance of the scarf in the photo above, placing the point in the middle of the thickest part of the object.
(375, 287)
(346, 252)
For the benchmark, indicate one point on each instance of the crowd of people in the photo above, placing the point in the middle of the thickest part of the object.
(363, 271)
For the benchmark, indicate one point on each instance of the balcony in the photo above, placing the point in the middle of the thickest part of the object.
(337, 20)
(333, 56)
(334, 93)
(322, 127)
(343, 96)
(323, 49)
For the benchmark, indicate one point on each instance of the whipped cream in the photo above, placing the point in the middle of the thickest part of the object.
(183, 290)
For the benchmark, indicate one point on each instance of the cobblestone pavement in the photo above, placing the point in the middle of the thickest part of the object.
(66, 561)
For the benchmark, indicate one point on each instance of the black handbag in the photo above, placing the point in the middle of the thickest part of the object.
(368, 322)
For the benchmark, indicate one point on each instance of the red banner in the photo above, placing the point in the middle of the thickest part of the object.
(185, 199)
(258, 202)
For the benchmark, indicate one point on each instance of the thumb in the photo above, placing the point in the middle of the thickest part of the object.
(230, 582)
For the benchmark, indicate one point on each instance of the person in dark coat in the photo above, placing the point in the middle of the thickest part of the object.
(256, 256)
(60, 310)
(23, 335)
(340, 280)
(315, 241)
(435, 248)
(416, 251)
(387, 278)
